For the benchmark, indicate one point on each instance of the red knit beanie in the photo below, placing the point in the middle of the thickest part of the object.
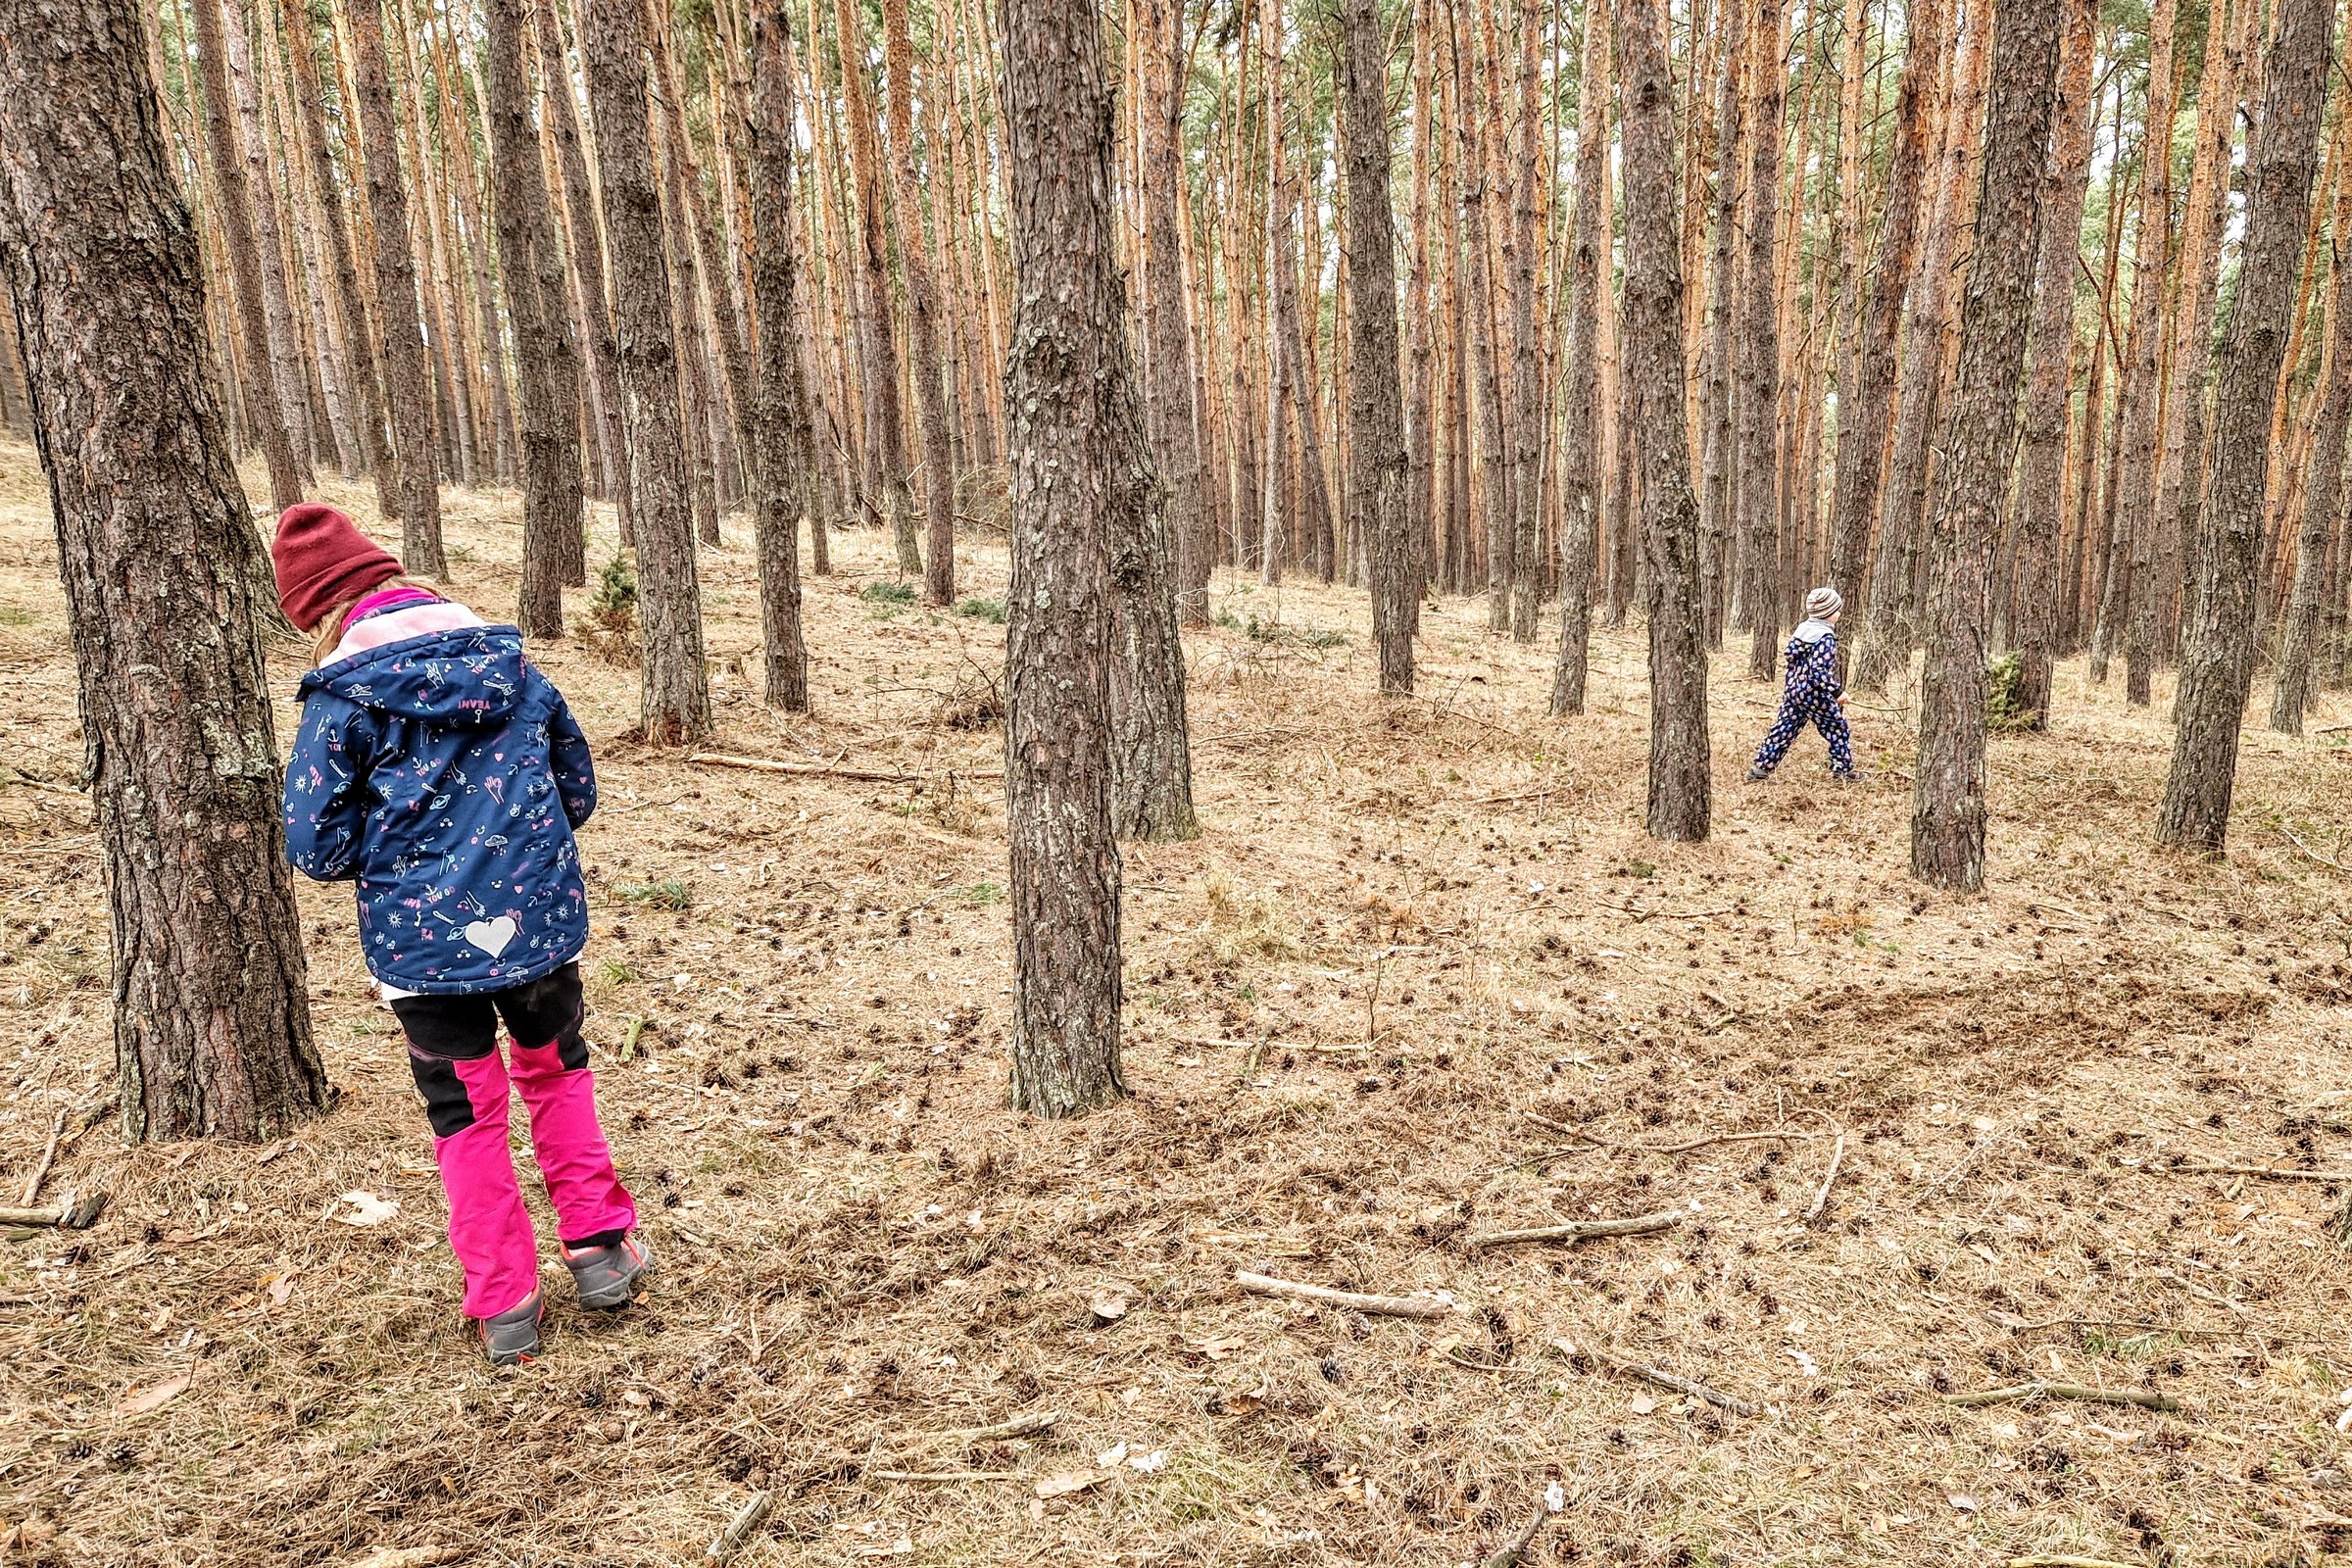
(323, 560)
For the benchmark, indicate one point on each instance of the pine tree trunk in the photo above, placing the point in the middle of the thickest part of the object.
(2136, 590)
(539, 304)
(1072, 434)
(2040, 501)
(1760, 400)
(1527, 379)
(1170, 411)
(1376, 451)
(1719, 435)
(676, 701)
(1978, 447)
(270, 403)
(2322, 485)
(923, 330)
(587, 258)
(783, 469)
(886, 420)
(1863, 422)
(286, 367)
(1420, 398)
(1679, 752)
(1579, 441)
(408, 398)
(1490, 460)
(2218, 660)
(161, 561)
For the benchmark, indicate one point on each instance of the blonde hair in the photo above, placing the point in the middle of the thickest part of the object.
(328, 635)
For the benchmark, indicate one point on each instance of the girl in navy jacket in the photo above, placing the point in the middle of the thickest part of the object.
(1813, 695)
(442, 773)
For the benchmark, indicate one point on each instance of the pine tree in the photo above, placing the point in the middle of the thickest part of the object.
(783, 463)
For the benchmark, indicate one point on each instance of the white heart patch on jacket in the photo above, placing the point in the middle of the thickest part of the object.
(492, 936)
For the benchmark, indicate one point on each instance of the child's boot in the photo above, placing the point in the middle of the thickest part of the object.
(512, 1337)
(608, 1276)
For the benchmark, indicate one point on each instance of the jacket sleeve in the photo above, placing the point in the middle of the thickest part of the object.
(326, 809)
(575, 770)
(1825, 683)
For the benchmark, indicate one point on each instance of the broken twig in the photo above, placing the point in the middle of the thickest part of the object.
(1027, 1423)
(1680, 1384)
(1822, 1198)
(869, 775)
(945, 1475)
(75, 1212)
(1579, 1230)
(1422, 1306)
(738, 1528)
(41, 1171)
(2063, 1391)
(1514, 1551)
(2273, 1174)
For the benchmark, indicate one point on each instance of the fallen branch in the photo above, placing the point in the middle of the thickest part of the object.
(41, 1171)
(1514, 1551)
(738, 1528)
(2333, 866)
(2275, 1173)
(1724, 1137)
(1680, 1384)
(869, 775)
(1580, 1230)
(1642, 916)
(2063, 1391)
(1822, 1198)
(75, 1212)
(945, 1475)
(2044, 1560)
(408, 1557)
(1025, 1424)
(1421, 1306)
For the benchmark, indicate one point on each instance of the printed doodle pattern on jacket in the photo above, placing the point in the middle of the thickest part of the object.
(444, 774)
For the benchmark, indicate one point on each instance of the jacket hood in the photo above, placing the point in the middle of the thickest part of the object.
(463, 677)
(1812, 630)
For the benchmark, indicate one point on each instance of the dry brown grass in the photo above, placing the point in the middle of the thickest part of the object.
(861, 1246)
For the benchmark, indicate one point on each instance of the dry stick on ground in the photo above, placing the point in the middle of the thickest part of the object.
(1822, 1198)
(2275, 1173)
(1680, 1384)
(1377, 1305)
(1514, 1551)
(1028, 1424)
(738, 1528)
(41, 1171)
(1723, 1138)
(2063, 1391)
(2333, 866)
(945, 1475)
(75, 1213)
(871, 776)
(2043, 1560)
(1579, 1230)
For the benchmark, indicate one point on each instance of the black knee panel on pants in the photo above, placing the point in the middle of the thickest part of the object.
(446, 1101)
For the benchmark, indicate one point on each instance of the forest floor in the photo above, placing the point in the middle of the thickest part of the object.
(1422, 977)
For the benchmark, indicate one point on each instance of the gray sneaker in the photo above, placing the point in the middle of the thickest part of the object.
(512, 1337)
(608, 1276)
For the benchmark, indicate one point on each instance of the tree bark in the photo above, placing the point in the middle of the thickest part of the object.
(408, 398)
(1580, 440)
(2323, 484)
(783, 467)
(270, 401)
(2218, 661)
(1679, 750)
(587, 256)
(286, 366)
(1420, 398)
(922, 312)
(2041, 502)
(885, 419)
(1376, 452)
(2133, 593)
(676, 701)
(1719, 434)
(1527, 377)
(1074, 434)
(1977, 448)
(1173, 419)
(546, 362)
(161, 564)
(1864, 424)
(1760, 400)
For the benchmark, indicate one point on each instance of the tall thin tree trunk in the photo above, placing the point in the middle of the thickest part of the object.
(677, 700)
(2218, 660)
(1420, 398)
(782, 468)
(161, 564)
(1718, 436)
(407, 398)
(1977, 448)
(1581, 434)
(538, 302)
(1679, 749)
(1170, 413)
(1073, 431)
(923, 330)
(1376, 490)
(1759, 333)
(2041, 502)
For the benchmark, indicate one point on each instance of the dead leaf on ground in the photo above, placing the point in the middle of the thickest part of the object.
(367, 1208)
(1220, 1347)
(154, 1397)
(1061, 1486)
(1108, 1306)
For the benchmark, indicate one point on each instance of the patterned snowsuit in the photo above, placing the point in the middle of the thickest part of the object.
(1810, 698)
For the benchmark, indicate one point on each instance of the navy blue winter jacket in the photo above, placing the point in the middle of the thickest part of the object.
(444, 774)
